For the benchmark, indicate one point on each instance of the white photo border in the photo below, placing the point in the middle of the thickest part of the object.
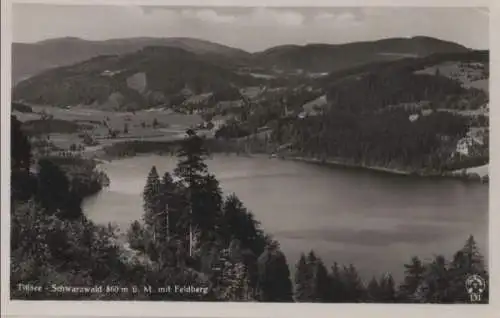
(222, 309)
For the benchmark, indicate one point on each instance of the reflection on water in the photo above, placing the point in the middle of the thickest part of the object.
(375, 221)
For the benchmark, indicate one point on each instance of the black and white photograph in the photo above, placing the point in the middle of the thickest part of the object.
(249, 154)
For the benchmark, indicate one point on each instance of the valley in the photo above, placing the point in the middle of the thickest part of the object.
(423, 115)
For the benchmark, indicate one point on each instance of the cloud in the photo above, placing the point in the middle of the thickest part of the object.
(324, 16)
(383, 12)
(257, 17)
(344, 19)
(270, 17)
(254, 28)
(208, 16)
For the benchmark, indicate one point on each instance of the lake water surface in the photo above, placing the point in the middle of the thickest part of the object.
(375, 221)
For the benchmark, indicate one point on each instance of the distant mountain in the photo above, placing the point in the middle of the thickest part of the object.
(334, 57)
(29, 59)
(129, 73)
(151, 76)
(32, 58)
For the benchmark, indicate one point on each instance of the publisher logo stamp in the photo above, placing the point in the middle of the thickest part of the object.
(475, 286)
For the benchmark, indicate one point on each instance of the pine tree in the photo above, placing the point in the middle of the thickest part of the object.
(170, 208)
(337, 285)
(322, 282)
(436, 282)
(414, 275)
(206, 207)
(191, 168)
(23, 184)
(474, 261)
(274, 276)
(353, 285)
(54, 192)
(237, 222)
(302, 281)
(20, 147)
(387, 289)
(373, 291)
(151, 196)
(136, 236)
(467, 261)
(319, 285)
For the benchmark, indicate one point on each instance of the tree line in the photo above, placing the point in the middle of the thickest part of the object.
(374, 91)
(436, 281)
(387, 139)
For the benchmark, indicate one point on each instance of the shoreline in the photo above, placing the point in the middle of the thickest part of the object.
(338, 163)
(462, 174)
(456, 174)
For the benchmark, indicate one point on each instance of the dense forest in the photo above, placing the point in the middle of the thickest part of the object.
(322, 57)
(386, 115)
(167, 72)
(190, 234)
(387, 140)
(375, 91)
(407, 65)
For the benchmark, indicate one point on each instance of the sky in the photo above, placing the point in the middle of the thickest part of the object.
(251, 29)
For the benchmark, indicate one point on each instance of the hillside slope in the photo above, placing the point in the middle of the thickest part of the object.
(333, 57)
(149, 77)
(398, 116)
(32, 58)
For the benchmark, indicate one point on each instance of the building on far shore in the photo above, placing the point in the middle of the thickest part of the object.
(465, 145)
(219, 121)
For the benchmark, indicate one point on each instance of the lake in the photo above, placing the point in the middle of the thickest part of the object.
(373, 220)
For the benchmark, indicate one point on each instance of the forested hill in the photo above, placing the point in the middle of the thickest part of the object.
(138, 75)
(442, 79)
(416, 115)
(150, 77)
(333, 57)
(30, 59)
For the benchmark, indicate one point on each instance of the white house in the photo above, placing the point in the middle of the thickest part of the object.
(107, 73)
(110, 73)
(413, 117)
(464, 145)
(218, 121)
(197, 99)
(427, 112)
(314, 107)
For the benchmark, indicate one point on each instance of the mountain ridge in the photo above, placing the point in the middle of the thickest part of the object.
(33, 58)
(333, 57)
(154, 75)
